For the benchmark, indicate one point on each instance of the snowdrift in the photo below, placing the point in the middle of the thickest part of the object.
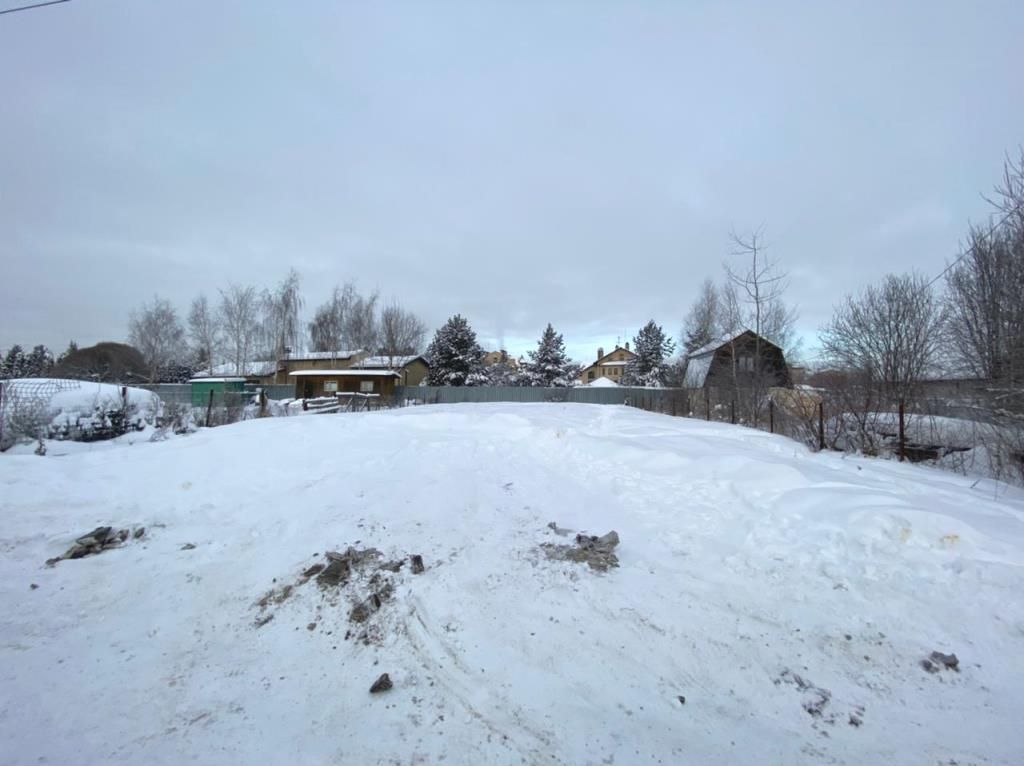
(769, 605)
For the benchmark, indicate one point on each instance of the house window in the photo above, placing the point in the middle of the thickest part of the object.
(590, 375)
(746, 363)
(366, 386)
(330, 386)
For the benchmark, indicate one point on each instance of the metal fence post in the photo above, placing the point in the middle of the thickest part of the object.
(209, 409)
(707, 406)
(732, 412)
(903, 435)
(821, 426)
(771, 415)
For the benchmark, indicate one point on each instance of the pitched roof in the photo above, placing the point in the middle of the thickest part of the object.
(389, 362)
(604, 359)
(308, 356)
(351, 372)
(250, 369)
(714, 345)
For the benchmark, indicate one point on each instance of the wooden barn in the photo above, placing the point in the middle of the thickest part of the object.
(739, 361)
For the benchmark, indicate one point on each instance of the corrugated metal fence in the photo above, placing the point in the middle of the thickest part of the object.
(649, 398)
(181, 393)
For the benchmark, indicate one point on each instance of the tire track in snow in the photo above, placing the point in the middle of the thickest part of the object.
(459, 682)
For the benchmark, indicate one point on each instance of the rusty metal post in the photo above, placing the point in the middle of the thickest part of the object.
(821, 426)
(903, 435)
(771, 415)
(209, 409)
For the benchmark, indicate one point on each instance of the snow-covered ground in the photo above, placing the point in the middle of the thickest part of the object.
(757, 582)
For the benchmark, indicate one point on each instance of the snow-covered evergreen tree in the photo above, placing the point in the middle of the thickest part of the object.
(504, 373)
(456, 359)
(650, 365)
(38, 363)
(549, 365)
(13, 363)
(72, 348)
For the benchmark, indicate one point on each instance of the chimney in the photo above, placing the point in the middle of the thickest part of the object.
(600, 352)
(627, 345)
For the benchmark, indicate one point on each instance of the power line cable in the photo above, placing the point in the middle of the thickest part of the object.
(30, 7)
(991, 230)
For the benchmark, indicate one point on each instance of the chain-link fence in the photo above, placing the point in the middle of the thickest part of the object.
(25, 407)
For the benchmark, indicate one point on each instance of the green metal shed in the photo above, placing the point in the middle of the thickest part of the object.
(201, 388)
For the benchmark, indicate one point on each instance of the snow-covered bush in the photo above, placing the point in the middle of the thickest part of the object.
(50, 408)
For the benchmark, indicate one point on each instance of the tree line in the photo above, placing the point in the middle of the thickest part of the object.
(244, 325)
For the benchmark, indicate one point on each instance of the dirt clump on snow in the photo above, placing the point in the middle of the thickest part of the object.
(597, 552)
(340, 565)
(98, 540)
(382, 684)
(937, 661)
(360, 578)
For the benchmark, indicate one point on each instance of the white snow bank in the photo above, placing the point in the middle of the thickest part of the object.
(743, 557)
(602, 383)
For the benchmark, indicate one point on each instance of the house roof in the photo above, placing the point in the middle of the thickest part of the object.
(351, 373)
(389, 362)
(250, 369)
(602, 360)
(697, 370)
(309, 356)
(714, 345)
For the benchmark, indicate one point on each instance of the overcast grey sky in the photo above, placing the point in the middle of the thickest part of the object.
(518, 162)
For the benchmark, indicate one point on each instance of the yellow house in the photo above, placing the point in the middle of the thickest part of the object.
(611, 365)
(499, 357)
(411, 369)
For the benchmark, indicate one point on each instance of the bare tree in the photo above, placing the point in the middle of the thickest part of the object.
(239, 316)
(890, 334)
(761, 285)
(703, 322)
(204, 331)
(327, 330)
(282, 331)
(401, 332)
(985, 289)
(155, 330)
(361, 327)
(1008, 195)
(756, 302)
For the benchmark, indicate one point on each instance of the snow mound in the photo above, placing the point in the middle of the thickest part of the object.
(603, 383)
(770, 605)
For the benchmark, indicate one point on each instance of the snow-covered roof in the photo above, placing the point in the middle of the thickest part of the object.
(309, 356)
(620, 363)
(353, 373)
(714, 345)
(388, 362)
(697, 370)
(207, 379)
(256, 369)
